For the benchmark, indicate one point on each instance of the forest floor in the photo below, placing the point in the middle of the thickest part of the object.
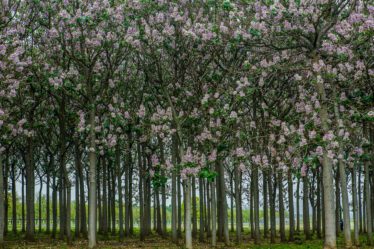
(157, 242)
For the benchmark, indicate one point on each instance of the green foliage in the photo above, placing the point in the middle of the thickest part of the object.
(208, 174)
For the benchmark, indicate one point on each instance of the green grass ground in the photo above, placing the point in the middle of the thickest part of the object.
(157, 242)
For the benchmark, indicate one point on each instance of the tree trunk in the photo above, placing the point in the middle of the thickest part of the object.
(54, 205)
(272, 208)
(92, 179)
(306, 220)
(201, 210)
(14, 199)
(30, 191)
(187, 212)
(282, 224)
(265, 199)
(174, 214)
(319, 212)
(2, 220)
(40, 204)
(298, 205)
(346, 218)
(104, 197)
(328, 188)
(237, 205)
(23, 200)
(194, 210)
(77, 204)
(214, 213)
(291, 206)
(82, 201)
(355, 208)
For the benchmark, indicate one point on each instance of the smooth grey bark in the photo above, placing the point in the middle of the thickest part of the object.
(14, 200)
(272, 208)
(92, 182)
(187, 206)
(319, 202)
(345, 201)
(369, 221)
(306, 219)
(23, 229)
(213, 213)
(40, 203)
(355, 207)
(2, 213)
(298, 205)
(194, 208)
(232, 195)
(265, 200)
(328, 188)
(174, 214)
(119, 187)
(77, 206)
(201, 209)
(237, 205)
(30, 191)
(54, 204)
(82, 199)
(291, 206)
(104, 198)
(282, 225)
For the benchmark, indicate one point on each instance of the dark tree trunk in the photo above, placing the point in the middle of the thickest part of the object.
(291, 206)
(30, 191)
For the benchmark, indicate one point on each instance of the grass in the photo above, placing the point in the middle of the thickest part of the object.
(154, 241)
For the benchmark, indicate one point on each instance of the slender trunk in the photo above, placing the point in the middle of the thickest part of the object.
(194, 210)
(319, 212)
(2, 220)
(40, 204)
(174, 214)
(232, 202)
(298, 205)
(68, 212)
(54, 205)
(187, 212)
(328, 188)
(337, 204)
(127, 185)
(104, 198)
(119, 187)
(282, 224)
(30, 191)
(223, 202)
(92, 182)
(82, 201)
(237, 205)
(355, 209)
(48, 215)
(359, 200)
(214, 213)
(346, 218)
(6, 204)
(179, 208)
(14, 199)
(272, 208)
(369, 221)
(77, 205)
(201, 210)
(265, 199)
(23, 200)
(291, 206)
(306, 220)
(141, 163)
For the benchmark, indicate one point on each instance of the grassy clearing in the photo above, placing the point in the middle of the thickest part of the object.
(44, 241)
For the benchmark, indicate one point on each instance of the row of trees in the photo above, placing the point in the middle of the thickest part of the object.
(133, 102)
